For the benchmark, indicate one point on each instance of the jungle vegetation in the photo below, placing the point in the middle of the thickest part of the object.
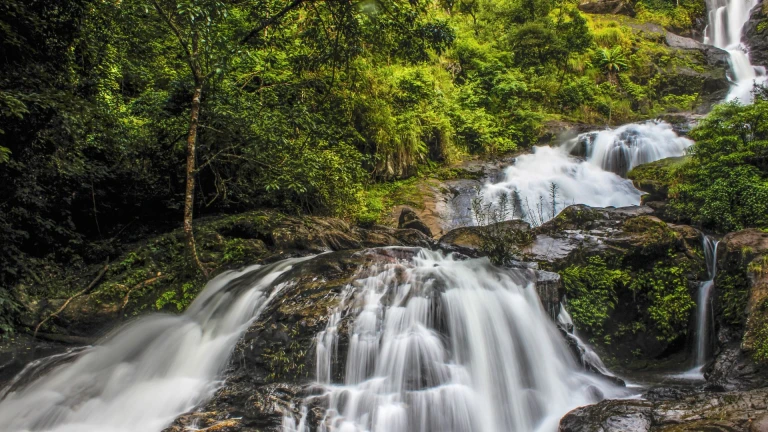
(124, 118)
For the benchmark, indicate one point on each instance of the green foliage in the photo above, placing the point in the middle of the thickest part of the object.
(591, 290)
(678, 16)
(665, 290)
(9, 310)
(611, 61)
(759, 332)
(180, 299)
(733, 295)
(724, 185)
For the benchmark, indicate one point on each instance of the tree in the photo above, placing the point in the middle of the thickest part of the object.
(612, 61)
(204, 30)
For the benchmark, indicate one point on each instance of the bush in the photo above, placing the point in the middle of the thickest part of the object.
(591, 290)
(724, 186)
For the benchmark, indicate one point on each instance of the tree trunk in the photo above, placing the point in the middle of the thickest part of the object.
(189, 197)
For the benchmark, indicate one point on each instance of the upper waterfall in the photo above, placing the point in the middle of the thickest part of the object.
(588, 169)
(726, 19)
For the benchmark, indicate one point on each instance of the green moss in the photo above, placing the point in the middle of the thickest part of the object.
(654, 237)
(591, 290)
(759, 333)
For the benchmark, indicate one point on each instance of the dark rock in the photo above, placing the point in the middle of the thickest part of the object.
(742, 256)
(755, 34)
(633, 240)
(469, 239)
(667, 393)
(703, 411)
(610, 416)
(410, 220)
(549, 286)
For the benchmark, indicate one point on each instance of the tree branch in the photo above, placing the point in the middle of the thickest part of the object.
(174, 29)
(271, 20)
(66, 303)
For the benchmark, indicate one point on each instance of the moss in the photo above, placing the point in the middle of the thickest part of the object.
(654, 237)
(591, 290)
(664, 300)
(758, 334)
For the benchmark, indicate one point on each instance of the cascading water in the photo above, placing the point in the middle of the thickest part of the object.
(595, 180)
(150, 371)
(437, 343)
(726, 21)
(703, 312)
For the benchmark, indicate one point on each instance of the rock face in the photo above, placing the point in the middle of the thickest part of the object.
(742, 411)
(634, 246)
(740, 304)
(755, 34)
(710, 78)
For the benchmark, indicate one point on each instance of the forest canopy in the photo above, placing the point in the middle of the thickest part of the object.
(301, 105)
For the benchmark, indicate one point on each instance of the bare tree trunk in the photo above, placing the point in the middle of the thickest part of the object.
(189, 197)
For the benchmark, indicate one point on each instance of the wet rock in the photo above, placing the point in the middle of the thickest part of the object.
(610, 416)
(734, 411)
(549, 286)
(469, 239)
(709, 79)
(755, 34)
(410, 220)
(740, 299)
(634, 242)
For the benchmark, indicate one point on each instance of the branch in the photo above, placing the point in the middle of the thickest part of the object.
(143, 284)
(66, 303)
(271, 20)
(174, 28)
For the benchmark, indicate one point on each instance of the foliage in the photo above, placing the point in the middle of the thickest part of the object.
(612, 61)
(322, 111)
(591, 290)
(724, 185)
(665, 289)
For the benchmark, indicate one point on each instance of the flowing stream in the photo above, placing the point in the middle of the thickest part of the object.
(726, 21)
(440, 343)
(704, 310)
(588, 169)
(149, 372)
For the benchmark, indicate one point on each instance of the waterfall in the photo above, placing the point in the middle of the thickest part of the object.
(440, 343)
(703, 310)
(148, 372)
(726, 21)
(594, 177)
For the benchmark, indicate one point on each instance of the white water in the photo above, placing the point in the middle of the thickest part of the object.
(594, 180)
(442, 344)
(726, 21)
(150, 371)
(703, 310)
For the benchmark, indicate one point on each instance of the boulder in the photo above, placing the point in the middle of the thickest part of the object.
(638, 245)
(754, 34)
(468, 240)
(705, 411)
(410, 220)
